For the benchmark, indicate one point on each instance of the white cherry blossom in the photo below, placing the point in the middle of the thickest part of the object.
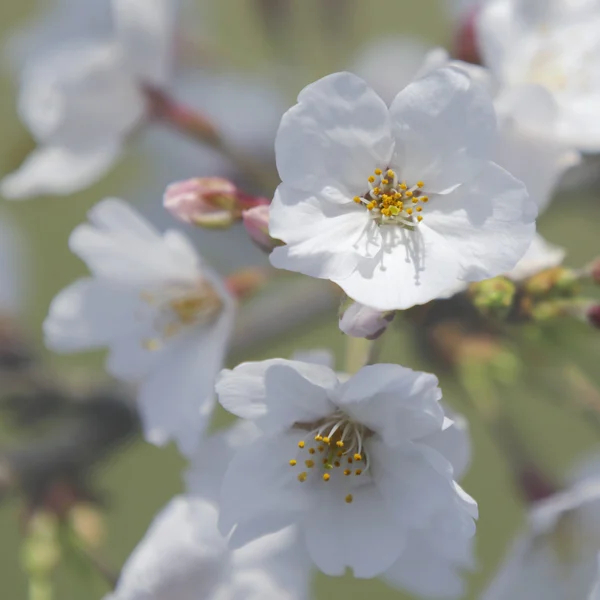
(399, 205)
(165, 316)
(556, 558)
(82, 98)
(554, 44)
(184, 557)
(359, 464)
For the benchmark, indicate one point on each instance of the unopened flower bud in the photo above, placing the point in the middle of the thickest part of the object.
(363, 322)
(466, 44)
(593, 315)
(553, 282)
(204, 201)
(256, 222)
(493, 297)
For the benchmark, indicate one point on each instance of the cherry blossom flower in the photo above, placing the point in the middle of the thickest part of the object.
(554, 44)
(334, 451)
(84, 97)
(399, 205)
(184, 557)
(165, 316)
(557, 556)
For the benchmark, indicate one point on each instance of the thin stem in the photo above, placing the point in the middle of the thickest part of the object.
(358, 353)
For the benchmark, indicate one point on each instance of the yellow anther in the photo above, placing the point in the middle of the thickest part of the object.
(385, 212)
(357, 200)
(293, 463)
(420, 184)
(376, 191)
(385, 182)
(326, 476)
(408, 194)
(371, 205)
(400, 204)
(415, 200)
(378, 171)
(358, 471)
(419, 218)
(424, 199)
(311, 450)
(301, 444)
(336, 463)
(321, 448)
(349, 460)
(403, 186)
(309, 463)
(349, 499)
(347, 472)
(318, 438)
(339, 444)
(409, 211)
(325, 461)
(419, 208)
(340, 454)
(357, 456)
(326, 440)
(371, 179)
(390, 174)
(397, 196)
(302, 476)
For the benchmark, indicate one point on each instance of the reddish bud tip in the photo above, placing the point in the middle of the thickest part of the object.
(593, 315)
(466, 46)
(256, 222)
(364, 322)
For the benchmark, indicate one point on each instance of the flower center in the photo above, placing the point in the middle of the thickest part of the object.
(393, 202)
(333, 447)
(176, 307)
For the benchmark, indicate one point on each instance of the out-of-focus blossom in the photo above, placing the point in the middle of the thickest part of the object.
(82, 98)
(361, 321)
(256, 222)
(540, 256)
(554, 44)
(396, 205)
(184, 557)
(363, 451)
(557, 557)
(165, 316)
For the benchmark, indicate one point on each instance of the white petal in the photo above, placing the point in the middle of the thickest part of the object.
(324, 237)
(364, 322)
(453, 443)
(444, 128)
(360, 535)
(89, 314)
(146, 31)
(182, 556)
(541, 255)
(413, 267)
(177, 399)
(488, 223)
(259, 483)
(58, 171)
(394, 401)
(336, 135)
(277, 393)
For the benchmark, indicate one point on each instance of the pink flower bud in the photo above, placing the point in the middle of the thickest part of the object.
(364, 322)
(204, 201)
(256, 222)
(593, 315)
(466, 44)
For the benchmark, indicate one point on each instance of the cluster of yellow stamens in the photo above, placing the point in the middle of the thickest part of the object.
(175, 308)
(392, 201)
(337, 447)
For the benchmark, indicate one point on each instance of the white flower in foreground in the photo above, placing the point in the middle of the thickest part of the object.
(554, 44)
(184, 557)
(557, 557)
(165, 316)
(399, 205)
(540, 256)
(83, 98)
(357, 465)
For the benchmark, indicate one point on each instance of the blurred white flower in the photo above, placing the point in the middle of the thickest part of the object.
(165, 316)
(357, 464)
(557, 557)
(399, 205)
(554, 44)
(184, 557)
(83, 97)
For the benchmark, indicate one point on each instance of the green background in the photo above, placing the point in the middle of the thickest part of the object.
(141, 479)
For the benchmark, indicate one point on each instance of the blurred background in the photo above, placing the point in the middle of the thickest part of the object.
(245, 62)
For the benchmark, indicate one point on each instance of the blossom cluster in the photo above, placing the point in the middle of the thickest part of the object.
(410, 181)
